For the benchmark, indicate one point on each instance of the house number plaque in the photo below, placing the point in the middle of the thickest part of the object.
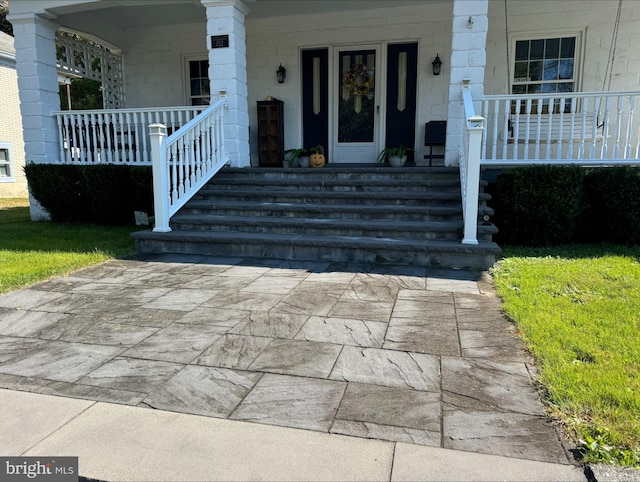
(219, 41)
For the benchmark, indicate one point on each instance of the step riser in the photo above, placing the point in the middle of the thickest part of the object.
(335, 198)
(337, 175)
(213, 189)
(397, 234)
(328, 231)
(386, 256)
(293, 213)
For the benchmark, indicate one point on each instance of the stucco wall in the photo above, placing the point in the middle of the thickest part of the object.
(11, 132)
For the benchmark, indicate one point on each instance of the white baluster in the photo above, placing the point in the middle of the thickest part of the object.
(61, 139)
(145, 121)
(572, 130)
(527, 131)
(174, 173)
(594, 127)
(560, 128)
(605, 130)
(630, 129)
(76, 129)
(616, 146)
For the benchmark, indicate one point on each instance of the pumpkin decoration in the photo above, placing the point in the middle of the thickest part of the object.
(317, 158)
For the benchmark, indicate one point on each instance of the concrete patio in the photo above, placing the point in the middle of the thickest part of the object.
(413, 356)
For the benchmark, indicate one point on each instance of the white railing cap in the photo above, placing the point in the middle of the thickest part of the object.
(182, 108)
(559, 95)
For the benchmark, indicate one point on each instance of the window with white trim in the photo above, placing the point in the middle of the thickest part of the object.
(198, 89)
(545, 65)
(6, 167)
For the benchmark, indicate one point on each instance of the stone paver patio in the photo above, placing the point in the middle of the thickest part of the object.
(392, 353)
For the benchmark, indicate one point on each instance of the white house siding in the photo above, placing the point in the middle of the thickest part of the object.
(10, 125)
(594, 18)
(154, 63)
(275, 41)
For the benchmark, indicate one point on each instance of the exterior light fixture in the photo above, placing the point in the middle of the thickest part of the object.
(470, 22)
(281, 73)
(436, 64)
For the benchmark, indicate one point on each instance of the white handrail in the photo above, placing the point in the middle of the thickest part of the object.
(470, 167)
(185, 161)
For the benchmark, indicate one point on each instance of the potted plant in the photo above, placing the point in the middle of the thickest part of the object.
(396, 156)
(317, 158)
(294, 156)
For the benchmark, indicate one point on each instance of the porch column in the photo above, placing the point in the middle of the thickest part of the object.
(38, 86)
(468, 59)
(228, 73)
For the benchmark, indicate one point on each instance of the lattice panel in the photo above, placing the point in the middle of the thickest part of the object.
(78, 56)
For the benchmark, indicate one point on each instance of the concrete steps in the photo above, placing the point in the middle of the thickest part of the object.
(361, 214)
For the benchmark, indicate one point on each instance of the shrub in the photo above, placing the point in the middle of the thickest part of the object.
(612, 213)
(538, 205)
(104, 194)
(59, 189)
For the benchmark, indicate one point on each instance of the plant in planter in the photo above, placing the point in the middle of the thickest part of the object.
(317, 158)
(396, 156)
(294, 156)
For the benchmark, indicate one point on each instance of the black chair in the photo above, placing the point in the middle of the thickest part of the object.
(435, 134)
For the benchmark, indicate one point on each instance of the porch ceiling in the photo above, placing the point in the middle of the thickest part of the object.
(127, 14)
(278, 8)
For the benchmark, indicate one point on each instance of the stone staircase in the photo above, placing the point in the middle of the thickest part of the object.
(406, 216)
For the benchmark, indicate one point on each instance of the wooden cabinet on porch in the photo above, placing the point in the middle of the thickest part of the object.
(270, 133)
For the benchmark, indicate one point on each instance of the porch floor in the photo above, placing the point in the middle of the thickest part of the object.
(395, 353)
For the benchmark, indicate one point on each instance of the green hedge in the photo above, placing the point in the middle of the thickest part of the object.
(105, 194)
(552, 205)
(612, 211)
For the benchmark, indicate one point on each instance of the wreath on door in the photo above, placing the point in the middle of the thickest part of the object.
(357, 81)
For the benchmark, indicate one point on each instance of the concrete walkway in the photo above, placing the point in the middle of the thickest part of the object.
(376, 371)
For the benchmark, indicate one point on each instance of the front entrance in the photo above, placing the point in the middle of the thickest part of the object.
(361, 101)
(356, 119)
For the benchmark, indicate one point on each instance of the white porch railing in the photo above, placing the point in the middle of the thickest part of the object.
(115, 136)
(185, 161)
(470, 168)
(568, 128)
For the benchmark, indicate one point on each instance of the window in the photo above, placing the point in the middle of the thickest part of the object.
(198, 88)
(545, 65)
(6, 169)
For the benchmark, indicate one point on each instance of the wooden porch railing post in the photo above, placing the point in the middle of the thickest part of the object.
(157, 134)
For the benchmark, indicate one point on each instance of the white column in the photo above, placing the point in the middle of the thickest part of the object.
(228, 74)
(468, 59)
(38, 85)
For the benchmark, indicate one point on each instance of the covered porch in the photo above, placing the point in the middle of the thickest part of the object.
(179, 57)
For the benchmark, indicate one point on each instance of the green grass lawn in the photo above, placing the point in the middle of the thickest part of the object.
(35, 251)
(578, 309)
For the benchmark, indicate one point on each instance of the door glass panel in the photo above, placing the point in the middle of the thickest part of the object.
(357, 96)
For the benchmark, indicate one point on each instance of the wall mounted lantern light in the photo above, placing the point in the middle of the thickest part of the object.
(436, 64)
(281, 73)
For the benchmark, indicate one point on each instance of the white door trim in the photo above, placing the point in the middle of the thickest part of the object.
(380, 98)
